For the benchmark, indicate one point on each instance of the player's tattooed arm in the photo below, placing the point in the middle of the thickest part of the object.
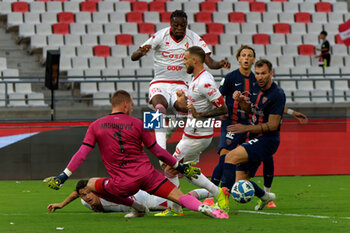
(212, 64)
(271, 125)
(243, 102)
(140, 52)
(211, 113)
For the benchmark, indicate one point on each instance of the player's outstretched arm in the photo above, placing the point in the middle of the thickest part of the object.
(140, 52)
(297, 115)
(55, 206)
(212, 64)
(187, 169)
(56, 182)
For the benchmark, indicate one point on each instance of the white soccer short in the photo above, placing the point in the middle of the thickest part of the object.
(190, 149)
(167, 89)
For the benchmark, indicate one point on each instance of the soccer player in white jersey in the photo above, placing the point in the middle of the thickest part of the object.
(204, 102)
(95, 203)
(169, 45)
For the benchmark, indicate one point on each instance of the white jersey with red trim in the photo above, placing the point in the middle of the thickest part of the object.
(204, 96)
(169, 54)
(151, 201)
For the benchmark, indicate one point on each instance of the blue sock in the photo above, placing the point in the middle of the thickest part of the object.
(228, 175)
(218, 170)
(258, 191)
(268, 172)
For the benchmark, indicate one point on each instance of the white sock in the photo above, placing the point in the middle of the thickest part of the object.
(265, 197)
(203, 182)
(268, 190)
(202, 193)
(161, 137)
(138, 206)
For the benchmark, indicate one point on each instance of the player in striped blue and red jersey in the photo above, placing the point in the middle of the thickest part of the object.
(121, 138)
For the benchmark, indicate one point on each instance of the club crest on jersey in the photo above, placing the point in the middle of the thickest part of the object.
(167, 43)
(264, 99)
(187, 45)
(228, 141)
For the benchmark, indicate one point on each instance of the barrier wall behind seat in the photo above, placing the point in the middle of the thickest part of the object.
(38, 150)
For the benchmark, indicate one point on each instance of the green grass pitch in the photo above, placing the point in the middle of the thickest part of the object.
(304, 204)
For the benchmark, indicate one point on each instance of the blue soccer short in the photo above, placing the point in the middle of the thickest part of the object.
(230, 141)
(258, 149)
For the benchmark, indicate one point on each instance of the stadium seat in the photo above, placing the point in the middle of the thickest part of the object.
(285, 61)
(36, 99)
(88, 6)
(324, 85)
(43, 29)
(288, 85)
(215, 28)
(84, 51)
(273, 50)
(105, 6)
(146, 28)
(323, 7)
(107, 39)
(319, 17)
(156, 6)
(14, 19)
(94, 28)
(307, 6)
(306, 50)
(26, 30)
(298, 28)
(305, 85)
(114, 62)
(341, 85)
(211, 39)
(278, 39)
(96, 64)
(315, 72)
(262, 39)
(106, 87)
(165, 17)
(139, 6)
(37, 7)
(101, 99)
(340, 49)
(265, 28)
(83, 17)
(23, 88)
(71, 6)
(20, 7)
(338, 40)
(204, 17)
(283, 28)
(87, 88)
(72, 39)
(242, 7)
(134, 17)
(253, 17)
(340, 7)
(236, 17)
(199, 28)
(290, 7)
(124, 39)
(139, 39)
(258, 7)
(65, 17)
(54, 7)
(331, 28)
(67, 51)
(31, 18)
(223, 50)
(102, 51)
(248, 28)
(232, 28)
(122, 6)
(111, 28)
(129, 28)
(301, 96)
(334, 17)
(274, 7)
(244, 39)
(17, 100)
(302, 17)
(117, 17)
(151, 17)
(311, 39)
(191, 7)
(224, 6)
(294, 39)
(55, 40)
(220, 17)
(80, 63)
(207, 6)
(314, 28)
(319, 96)
(268, 17)
(100, 17)
(60, 28)
(172, 6)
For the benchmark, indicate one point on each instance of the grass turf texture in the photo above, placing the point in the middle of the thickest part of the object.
(23, 209)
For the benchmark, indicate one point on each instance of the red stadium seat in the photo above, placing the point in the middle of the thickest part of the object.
(211, 39)
(213, 0)
(146, 28)
(102, 51)
(324, 7)
(302, 17)
(215, 28)
(91, 0)
(338, 40)
(263, 39)
(134, 17)
(208, 6)
(283, 28)
(161, 0)
(21, 7)
(236, 17)
(139, 6)
(306, 50)
(203, 17)
(66, 17)
(88, 6)
(165, 17)
(128, 0)
(157, 6)
(279, 0)
(247, 0)
(258, 7)
(124, 39)
(60, 28)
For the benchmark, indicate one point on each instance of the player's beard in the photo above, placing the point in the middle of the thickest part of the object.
(189, 69)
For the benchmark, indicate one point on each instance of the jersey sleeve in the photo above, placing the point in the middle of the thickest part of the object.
(146, 136)
(198, 41)
(154, 40)
(207, 87)
(225, 85)
(90, 138)
(278, 104)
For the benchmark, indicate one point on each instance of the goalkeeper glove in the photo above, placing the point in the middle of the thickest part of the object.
(187, 169)
(57, 181)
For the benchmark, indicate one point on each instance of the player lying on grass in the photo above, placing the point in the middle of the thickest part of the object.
(121, 138)
(95, 203)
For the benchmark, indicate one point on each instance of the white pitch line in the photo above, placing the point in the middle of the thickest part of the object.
(291, 215)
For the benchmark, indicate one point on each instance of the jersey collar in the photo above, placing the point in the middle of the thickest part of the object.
(199, 74)
(116, 113)
(177, 41)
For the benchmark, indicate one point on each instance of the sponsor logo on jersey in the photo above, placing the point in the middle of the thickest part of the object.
(167, 43)
(207, 85)
(173, 55)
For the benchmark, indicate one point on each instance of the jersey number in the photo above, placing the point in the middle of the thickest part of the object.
(253, 141)
(119, 135)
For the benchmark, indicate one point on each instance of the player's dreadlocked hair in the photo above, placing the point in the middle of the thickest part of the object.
(243, 46)
(80, 185)
(178, 13)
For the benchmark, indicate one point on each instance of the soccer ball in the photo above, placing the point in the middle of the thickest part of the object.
(242, 191)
